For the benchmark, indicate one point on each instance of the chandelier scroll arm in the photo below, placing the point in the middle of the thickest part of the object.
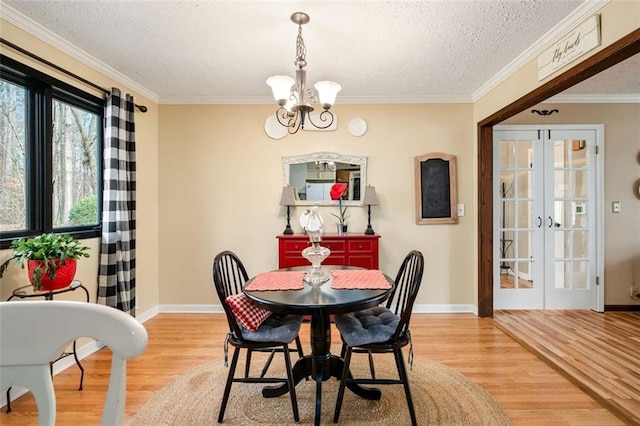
(293, 123)
(324, 116)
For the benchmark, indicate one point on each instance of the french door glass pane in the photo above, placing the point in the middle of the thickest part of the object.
(524, 151)
(580, 214)
(580, 244)
(561, 275)
(524, 188)
(563, 250)
(507, 154)
(566, 218)
(524, 244)
(580, 275)
(578, 153)
(506, 183)
(561, 184)
(526, 277)
(13, 142)
(525, 214)
(580, 183)
(75, 145)
(507, 213)
(562, 155)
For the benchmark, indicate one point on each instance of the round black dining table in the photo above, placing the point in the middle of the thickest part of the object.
(319, 301)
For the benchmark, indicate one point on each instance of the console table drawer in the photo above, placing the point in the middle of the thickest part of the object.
(334, 246)
(295, 245)
(361, 246)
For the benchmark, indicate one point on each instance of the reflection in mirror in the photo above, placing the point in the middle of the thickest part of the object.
(313, 174)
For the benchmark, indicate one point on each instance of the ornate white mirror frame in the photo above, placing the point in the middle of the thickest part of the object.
(354, 163)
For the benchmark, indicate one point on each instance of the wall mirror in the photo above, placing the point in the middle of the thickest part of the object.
(313, 174)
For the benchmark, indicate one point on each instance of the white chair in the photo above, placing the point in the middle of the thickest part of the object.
(36, 332)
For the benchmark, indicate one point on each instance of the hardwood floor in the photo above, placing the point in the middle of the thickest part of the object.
(530, 391)
(599, 352)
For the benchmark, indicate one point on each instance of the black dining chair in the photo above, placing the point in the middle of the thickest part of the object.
(274, 334)
(382, 329)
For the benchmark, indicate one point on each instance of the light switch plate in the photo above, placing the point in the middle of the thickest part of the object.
(616, 207)
(460, 209)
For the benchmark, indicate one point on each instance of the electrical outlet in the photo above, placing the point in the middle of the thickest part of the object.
(460, 209)
(634, 292)
(616, 207)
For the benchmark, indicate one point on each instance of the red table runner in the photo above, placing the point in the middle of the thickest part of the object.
(348, 279)
(277, 280)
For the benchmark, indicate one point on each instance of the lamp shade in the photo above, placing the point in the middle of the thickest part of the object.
(327, 92)
(281, 87)
(288, 197)
(370, 197)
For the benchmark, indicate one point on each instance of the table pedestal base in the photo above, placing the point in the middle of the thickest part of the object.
(320, 366)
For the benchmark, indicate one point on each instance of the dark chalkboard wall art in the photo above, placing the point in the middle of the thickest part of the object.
(436, 188)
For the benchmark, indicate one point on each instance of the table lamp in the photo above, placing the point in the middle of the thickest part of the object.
(288, 198)
(370, 199)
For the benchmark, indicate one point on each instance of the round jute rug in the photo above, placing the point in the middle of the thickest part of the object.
(441, 396)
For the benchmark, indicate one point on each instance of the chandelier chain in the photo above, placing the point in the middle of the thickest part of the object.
(301, 50)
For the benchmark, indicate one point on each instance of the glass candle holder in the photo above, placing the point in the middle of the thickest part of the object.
(316, 254)
(313, 225)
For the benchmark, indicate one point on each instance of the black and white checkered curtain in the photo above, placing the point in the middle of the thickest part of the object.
(117, 274)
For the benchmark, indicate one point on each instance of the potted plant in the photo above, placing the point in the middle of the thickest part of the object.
(51, 259)
(336, 192)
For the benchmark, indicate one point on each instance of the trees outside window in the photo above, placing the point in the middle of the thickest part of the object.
(50, 155)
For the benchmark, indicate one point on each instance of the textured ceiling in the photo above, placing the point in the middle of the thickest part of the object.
(217, 51)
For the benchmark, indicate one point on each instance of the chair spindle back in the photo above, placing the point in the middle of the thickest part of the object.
(229, 275)
(407, 284)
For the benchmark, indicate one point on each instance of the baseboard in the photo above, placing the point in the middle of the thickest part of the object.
(190, 309)
(147, 315)
(445, 309)
(621, 308)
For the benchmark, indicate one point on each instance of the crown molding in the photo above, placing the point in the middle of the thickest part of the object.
(344, 100)
(594, 99)
(584, 11)
(30, 26)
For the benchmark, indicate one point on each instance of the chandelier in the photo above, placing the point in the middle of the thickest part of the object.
(326, 166)
(294, 98)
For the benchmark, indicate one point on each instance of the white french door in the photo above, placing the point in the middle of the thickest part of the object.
(546, 217)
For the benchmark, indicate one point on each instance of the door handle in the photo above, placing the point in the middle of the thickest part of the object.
(539, 221)
(550, 221)
(557, 225)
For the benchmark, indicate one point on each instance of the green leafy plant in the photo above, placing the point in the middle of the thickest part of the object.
(47, 248)
(85, 212)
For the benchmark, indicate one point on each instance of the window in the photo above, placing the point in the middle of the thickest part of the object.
(50, 155)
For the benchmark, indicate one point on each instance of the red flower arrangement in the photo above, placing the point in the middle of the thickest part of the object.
(336, 192)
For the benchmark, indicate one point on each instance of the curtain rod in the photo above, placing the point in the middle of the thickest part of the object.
(141, 108)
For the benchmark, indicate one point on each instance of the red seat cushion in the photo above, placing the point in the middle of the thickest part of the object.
(248, 315)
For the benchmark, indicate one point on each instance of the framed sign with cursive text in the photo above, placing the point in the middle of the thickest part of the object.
(579, 41)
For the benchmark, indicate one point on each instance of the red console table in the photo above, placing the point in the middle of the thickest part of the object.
(350, 249)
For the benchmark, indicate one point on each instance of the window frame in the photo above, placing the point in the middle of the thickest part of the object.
(42, 90)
